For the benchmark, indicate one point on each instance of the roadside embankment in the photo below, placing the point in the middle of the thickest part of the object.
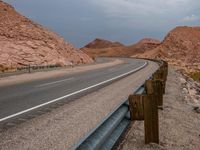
(179, 121)
(56, 73)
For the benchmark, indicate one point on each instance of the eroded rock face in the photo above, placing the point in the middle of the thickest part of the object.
(183, 44)
(23, 42)
(180, 47)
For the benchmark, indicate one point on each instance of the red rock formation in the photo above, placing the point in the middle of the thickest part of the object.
(107, 48)
(183, 43)
(144, 45)
(23, 42)
(181, 47)
(101, 43)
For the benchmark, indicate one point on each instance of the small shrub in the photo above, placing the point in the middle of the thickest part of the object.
(195, 76)
(19, 69)
(58, 65)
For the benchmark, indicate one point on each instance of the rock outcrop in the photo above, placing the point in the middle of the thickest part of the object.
(106, 48)
(180, 47)
(23, 42)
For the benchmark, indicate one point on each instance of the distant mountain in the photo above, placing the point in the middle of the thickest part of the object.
(101, 43)
(144, 45)
(181, 47)
(24, 42)
(100, 47)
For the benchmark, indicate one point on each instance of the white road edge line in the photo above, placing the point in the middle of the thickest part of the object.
(45, 84)
(68, 95)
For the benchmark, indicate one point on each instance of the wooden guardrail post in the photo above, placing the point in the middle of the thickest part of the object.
(161, 74)
(165, 66)
(136, 103)
(156, 88)
(151, 124)
(144, 107)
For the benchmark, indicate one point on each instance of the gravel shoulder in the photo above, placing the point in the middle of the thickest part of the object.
(62, 127)
(179, 121)
(16, 79)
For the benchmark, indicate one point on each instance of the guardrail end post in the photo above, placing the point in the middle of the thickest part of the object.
(151, 124)
(145, 107)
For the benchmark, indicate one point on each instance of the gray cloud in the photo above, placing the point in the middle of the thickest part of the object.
(126, 21)
(143, 7)
(191, 18)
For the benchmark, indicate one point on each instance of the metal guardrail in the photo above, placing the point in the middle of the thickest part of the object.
(109, 130)
(107, 133)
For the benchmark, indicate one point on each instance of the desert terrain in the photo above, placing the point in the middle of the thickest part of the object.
(24, 42)
(100, 47)
(180, 47)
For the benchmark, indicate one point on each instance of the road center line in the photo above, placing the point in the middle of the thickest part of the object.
(71, 94)
(46, 84)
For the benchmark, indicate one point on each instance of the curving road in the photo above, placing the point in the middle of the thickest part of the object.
(19, 99)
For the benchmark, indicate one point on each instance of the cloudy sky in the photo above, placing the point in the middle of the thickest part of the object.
(127, 21)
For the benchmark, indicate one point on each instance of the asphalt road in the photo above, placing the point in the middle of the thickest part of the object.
(22, 98)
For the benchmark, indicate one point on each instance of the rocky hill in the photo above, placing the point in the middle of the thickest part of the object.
(101, 43)
(107, 48)
(180, 47)
(24, 42)
(144, 45)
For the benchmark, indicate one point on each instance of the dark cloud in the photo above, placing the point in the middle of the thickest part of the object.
(127, 21)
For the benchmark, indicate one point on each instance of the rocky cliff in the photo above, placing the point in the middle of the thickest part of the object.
(24, 42)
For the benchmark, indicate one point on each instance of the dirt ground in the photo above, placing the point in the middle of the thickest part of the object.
(179, 123)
